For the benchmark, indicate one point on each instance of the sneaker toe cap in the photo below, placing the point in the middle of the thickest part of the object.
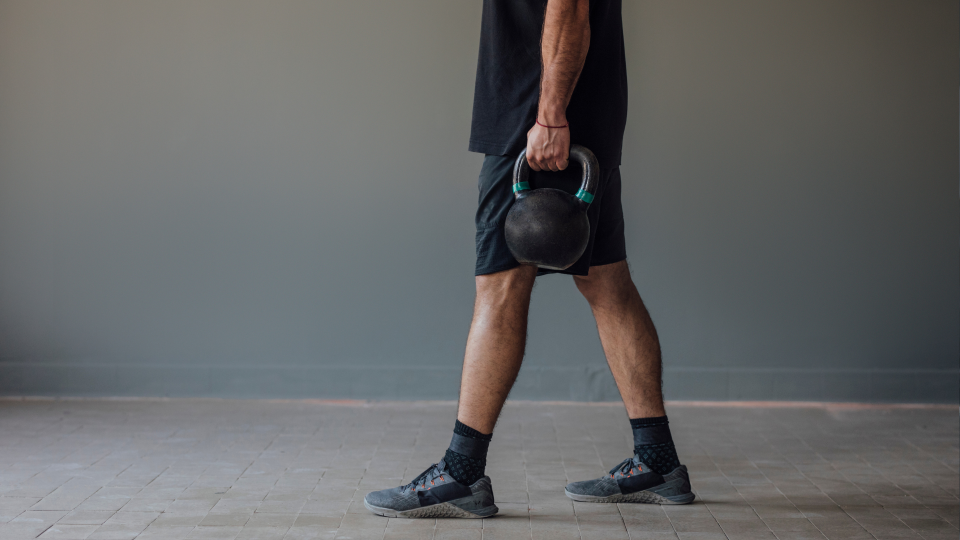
(581, 488)
(393, 499)
(597, 487)
(380, 498)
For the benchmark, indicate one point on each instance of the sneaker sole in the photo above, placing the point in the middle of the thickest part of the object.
(442, 510)
(647, 497)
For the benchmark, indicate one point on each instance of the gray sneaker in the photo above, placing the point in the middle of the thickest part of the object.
(633, 482)
(434, 494)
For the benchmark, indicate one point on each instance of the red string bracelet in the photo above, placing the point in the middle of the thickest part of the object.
(553, 127)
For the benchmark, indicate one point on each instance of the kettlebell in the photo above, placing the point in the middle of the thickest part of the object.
(547, 227)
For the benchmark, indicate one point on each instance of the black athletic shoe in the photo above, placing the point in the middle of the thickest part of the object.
(634, 482)
(434, 494)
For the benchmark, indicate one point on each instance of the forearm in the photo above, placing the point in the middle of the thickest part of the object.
(564, 44)
(566, 38)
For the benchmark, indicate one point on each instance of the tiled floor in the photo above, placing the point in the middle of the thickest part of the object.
(221, 469)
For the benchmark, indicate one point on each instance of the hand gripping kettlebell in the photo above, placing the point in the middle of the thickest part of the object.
(548, 227)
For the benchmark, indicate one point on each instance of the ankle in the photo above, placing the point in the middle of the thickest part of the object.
(462, 429)
(466, 458)
(653, 443)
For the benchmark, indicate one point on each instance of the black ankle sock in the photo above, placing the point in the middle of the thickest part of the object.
(466, 458)
(654, 444)
(462, 429)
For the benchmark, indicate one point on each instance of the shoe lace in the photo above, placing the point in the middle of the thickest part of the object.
(625, 467)
(432, 472)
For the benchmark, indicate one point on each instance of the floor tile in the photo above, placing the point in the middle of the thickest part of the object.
(184, 469)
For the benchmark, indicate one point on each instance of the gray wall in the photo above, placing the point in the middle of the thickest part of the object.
(244, 198)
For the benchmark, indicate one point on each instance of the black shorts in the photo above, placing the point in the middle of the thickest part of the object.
(606, 244)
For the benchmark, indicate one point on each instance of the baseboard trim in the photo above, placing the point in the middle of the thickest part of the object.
(589, 383)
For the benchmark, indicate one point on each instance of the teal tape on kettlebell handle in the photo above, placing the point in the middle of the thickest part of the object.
(519, 186)
(585, 196)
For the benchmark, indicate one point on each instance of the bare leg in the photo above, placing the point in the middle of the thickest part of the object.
(495, 345)
(628, 336)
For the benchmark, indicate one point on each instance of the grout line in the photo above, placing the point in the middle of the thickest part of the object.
(828, 462)
(783, 443)
(841, 405)
(745, 502)
(556, 436)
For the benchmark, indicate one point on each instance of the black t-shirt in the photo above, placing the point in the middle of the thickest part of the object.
(508, 81)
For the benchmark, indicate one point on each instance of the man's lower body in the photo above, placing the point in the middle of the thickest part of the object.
(457, 486)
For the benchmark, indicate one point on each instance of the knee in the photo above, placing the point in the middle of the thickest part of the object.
(605, 283)
(506, 286)
(589, 287)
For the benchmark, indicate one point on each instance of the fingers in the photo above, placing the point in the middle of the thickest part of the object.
(563, 162)
(554, 164)
(534, 164)
(551, 163)
(548, 149)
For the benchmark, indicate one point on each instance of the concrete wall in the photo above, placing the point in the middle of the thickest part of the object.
(244, 198)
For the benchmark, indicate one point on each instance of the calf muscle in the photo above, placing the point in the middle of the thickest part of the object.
(495, 345)
(628, 336)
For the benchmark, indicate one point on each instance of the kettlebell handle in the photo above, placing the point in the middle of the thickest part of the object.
(588, 161)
